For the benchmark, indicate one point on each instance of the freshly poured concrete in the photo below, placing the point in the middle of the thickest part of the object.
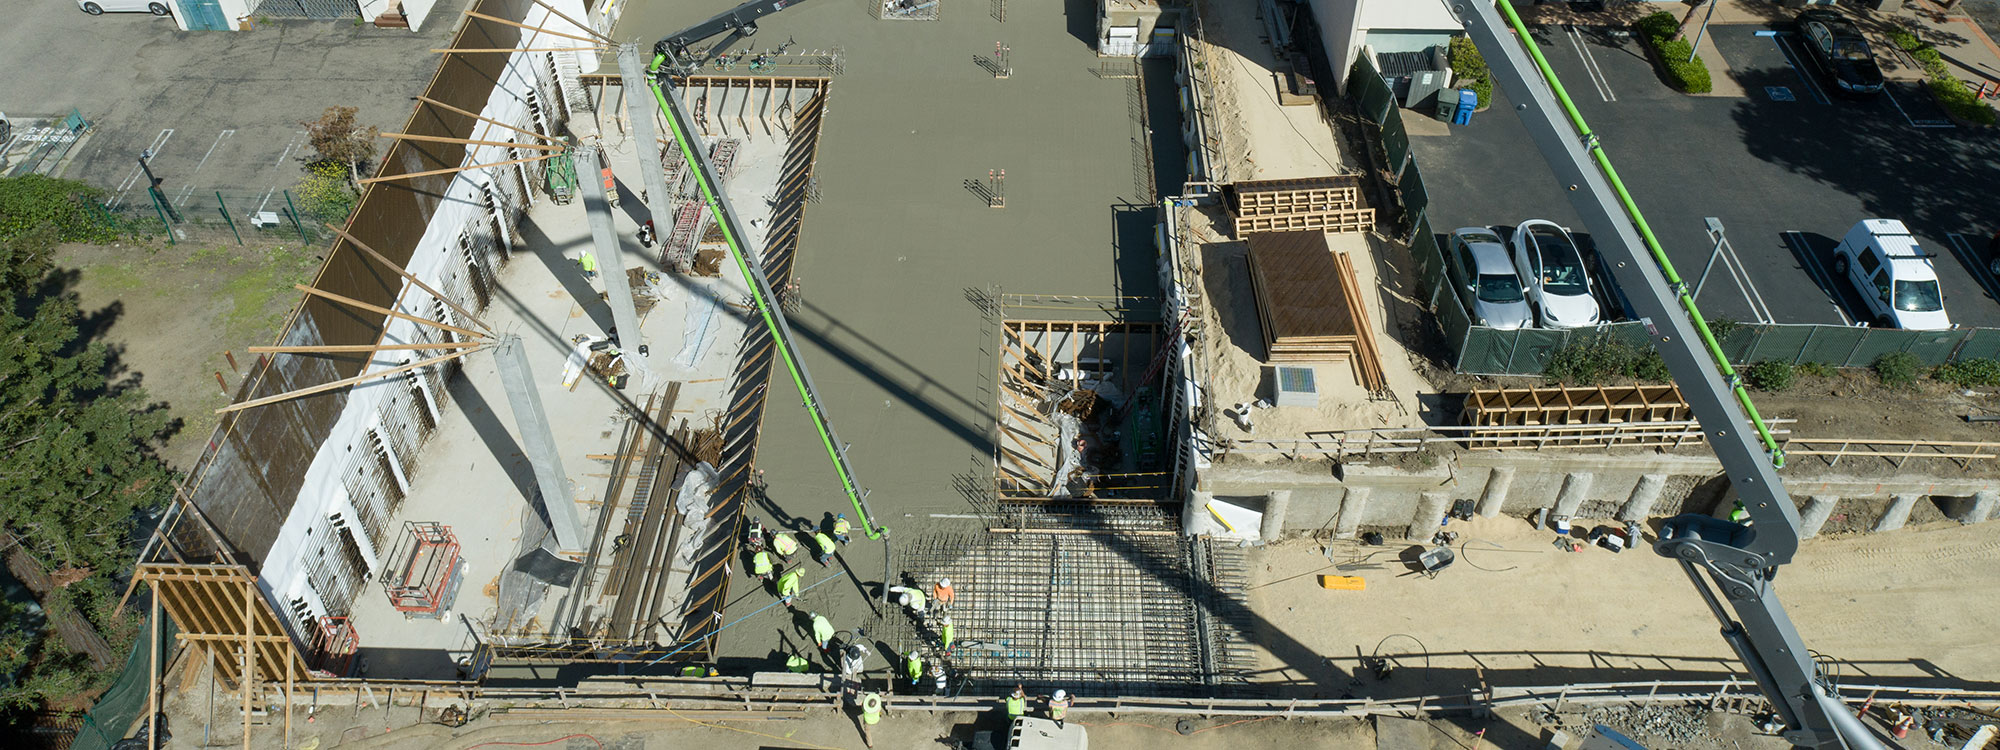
(902, 359)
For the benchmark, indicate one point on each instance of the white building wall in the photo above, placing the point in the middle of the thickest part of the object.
(463, 208)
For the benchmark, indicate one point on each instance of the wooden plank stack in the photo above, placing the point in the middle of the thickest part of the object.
(1557, 405)
(1330, 204)
(1310, 305)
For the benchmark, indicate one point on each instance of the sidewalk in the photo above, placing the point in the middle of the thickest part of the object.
(1972, 54)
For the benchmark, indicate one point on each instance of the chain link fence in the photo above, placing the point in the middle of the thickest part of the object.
(240, 217)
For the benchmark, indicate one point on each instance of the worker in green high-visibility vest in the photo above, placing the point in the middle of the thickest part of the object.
(872, 706)
(913, 665)
(824, 544)
(760, 565)
(841, 527)
(945, 633)
(913, 598)
(588, 263)
(788, 585)
(1017, 704)
(822, 630)
(783, 544)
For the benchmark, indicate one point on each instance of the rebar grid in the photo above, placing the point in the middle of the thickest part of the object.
(1103, 614)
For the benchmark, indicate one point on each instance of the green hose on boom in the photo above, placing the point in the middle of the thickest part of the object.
(1673, 278)
(764, 307)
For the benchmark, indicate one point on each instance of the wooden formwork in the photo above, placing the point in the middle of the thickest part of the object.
(1023, 454)
(1281, 202)
(1507, 407)
(1344, 221)
(219, 610)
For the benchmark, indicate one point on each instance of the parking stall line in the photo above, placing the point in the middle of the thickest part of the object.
(1597, 79)
(1792, 58)
(1968, 254)
(132, 176)
(1891, 96)
(1800, 247)
(189, 189)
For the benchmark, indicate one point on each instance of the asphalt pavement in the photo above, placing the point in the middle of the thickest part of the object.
(1786, 169)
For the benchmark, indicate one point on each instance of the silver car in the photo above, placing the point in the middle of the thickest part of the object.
(1485, 279)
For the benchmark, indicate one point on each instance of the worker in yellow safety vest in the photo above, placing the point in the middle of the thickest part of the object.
(760, 564)
(1059, 707)
(841, 527)
(822, 630)
(913, 664)
(945, 633)
(797, 663)
(825, 545)
(788, 586)
(872, 707)
(588, 263)
(783, 544)
(1017, 704)
(913, 598)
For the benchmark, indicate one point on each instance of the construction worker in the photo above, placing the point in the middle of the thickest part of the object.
(822, 630)
(912, 598)
(588, 263)
(646, 234)
(697, 670)
(788, 585)
(943, 594)
(938, 676)
(944, 635)
(854, 660)
(841, 527)
(913, 664)
(1739, 514)
(797, 663)
(824, 544)
(872, 707)
(1059, 707)
(760, 564)
(1017, 704)
(783, 544)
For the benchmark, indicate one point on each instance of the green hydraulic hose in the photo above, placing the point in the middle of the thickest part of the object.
(784, 344)
(1666, 266)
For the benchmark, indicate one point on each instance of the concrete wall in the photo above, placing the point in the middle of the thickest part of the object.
(1342, 499)
(1340, 34)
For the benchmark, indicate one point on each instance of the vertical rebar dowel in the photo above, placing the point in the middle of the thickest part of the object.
(224, 208)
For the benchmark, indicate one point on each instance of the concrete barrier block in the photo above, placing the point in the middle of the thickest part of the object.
(1276, 503)
(1495, 495)
(1898, 512)
(1431, 507)
(1645, 495)
(1814, 517)
(1351, 508)
(1575, 488)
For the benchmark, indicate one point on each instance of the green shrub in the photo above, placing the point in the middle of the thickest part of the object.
(1898, 369)
(1597, 360)
(1722, 327)
(1960, 100)
(1770, 375)
(1905, 40)
(1970, 373)
(66, 207)
(1471, 70)
(1815, 369)
(1687, 75)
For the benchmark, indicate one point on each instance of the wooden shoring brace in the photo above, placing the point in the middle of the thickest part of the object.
(386, 263)
(358, 379)
(586, 27)
(397, 314)
(455, 170)
(470, 141)
(249, 679)
(364, 348)
(510, 50)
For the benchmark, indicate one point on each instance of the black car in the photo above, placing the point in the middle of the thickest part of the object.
(1840, 53)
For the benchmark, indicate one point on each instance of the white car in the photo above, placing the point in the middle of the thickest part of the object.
(1893, 275)
(101, 7)
(1553, 274)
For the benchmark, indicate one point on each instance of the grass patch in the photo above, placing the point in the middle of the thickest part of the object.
(264, 277)
(1688, 75)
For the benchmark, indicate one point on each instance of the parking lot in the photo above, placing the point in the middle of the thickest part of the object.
(1785, 167)
(220, 110)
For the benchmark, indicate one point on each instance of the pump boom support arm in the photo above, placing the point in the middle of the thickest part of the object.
(1741, 560)
(741, 19)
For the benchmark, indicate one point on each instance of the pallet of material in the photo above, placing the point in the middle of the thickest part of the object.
(1279, 203)
(1309, 304)
(1345, 221)
(1558, 405)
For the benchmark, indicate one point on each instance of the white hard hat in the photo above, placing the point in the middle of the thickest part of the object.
(903, 599)
(1061, 695)
(945, 582)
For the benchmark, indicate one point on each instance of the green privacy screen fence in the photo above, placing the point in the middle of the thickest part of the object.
(1478, 350)
(125, 702)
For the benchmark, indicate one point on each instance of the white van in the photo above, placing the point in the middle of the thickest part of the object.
(1893, 274)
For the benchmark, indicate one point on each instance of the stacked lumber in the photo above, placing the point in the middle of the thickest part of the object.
(1330, 204)
(1310, 305)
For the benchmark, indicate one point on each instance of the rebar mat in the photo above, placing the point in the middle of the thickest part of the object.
(1095, 613)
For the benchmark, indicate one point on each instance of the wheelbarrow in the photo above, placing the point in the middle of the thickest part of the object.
(1435, 559)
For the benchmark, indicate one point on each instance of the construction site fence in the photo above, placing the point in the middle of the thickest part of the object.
(125, 702)
(225, 217)
(747, 695)
(1480, 350)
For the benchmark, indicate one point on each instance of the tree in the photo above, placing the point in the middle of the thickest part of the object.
(77, 450)
(336, 138)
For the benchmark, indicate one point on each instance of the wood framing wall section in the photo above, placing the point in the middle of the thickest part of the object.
(220, 611)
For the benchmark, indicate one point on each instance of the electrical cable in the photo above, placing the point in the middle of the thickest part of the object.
(1376, 654)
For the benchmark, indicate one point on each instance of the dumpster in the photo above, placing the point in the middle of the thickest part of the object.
(1468, 100)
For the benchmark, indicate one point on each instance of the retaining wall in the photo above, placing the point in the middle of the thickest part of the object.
(1342, 499)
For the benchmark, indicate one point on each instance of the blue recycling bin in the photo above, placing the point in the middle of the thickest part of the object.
(1468, 100)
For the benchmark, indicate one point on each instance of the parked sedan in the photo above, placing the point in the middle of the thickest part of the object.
(1554, 276)
(1840, 52)
(1485, 280)
(101, 7)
